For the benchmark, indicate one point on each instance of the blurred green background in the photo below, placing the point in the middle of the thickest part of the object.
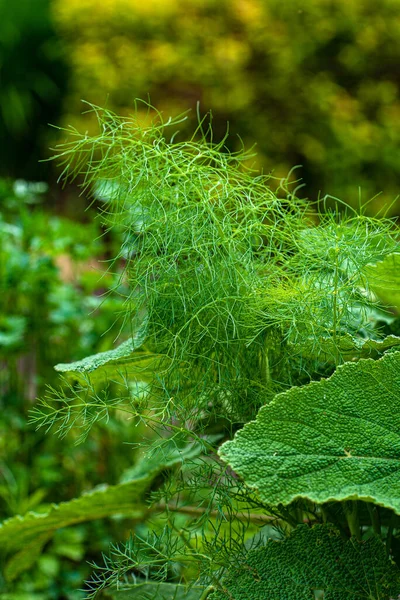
(312, 83)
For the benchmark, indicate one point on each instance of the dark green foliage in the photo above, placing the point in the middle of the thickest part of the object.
(313, 563)
(33, 78)
(51, 307)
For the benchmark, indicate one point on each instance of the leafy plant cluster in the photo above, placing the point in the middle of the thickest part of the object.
(52, 282)
(261, 375)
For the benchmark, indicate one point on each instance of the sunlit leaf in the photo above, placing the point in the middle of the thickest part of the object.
(347, 347)
(384, 280)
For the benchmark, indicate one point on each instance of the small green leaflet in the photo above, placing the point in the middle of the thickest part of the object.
(384, 280)
(310, 561)
(336, 439)
(152, 590)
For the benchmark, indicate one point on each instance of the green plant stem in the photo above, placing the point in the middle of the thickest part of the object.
(194, 552)
(375, 518)
(335, 307)
(198, 511)
(389, 537)
(206, 593)
(350, 508)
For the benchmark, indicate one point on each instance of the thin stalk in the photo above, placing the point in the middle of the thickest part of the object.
(335, 305)
(350, 508)
(392, 523)
(375, 518)
(198, 511)
(206, 593)
(195, 554)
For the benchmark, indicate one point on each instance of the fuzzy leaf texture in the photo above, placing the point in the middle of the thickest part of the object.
(314, 563)
(336, 439)
(152, 590)
(24, 536)
(384, 280)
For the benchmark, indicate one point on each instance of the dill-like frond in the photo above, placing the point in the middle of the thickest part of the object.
(226, 271)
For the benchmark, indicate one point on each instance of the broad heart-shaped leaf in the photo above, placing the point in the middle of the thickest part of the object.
(314, 563)
(152, 590)
(335, 439)
(24, 536)
(384, 280)
(129, 359)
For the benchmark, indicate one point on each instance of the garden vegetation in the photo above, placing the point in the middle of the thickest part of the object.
(259, 361)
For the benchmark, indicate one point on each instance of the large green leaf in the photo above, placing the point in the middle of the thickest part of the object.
(335, 439)
(384, 280)
(24, 536)
(151, 590)
(314, 563)
(129, 359)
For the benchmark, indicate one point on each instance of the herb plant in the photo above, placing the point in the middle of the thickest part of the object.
(259, 360)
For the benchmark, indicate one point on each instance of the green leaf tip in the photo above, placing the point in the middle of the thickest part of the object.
(336, 439)
(129, 358)
(313, 561)
(348, 347)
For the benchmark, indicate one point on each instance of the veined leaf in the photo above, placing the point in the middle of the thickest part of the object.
(128, 359)
(314, 563)
(335, 439)
(384, 280)
(152, 590)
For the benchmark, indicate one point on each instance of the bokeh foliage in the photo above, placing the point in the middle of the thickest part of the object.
(52, 307)
(33, 78)
(314, 83)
